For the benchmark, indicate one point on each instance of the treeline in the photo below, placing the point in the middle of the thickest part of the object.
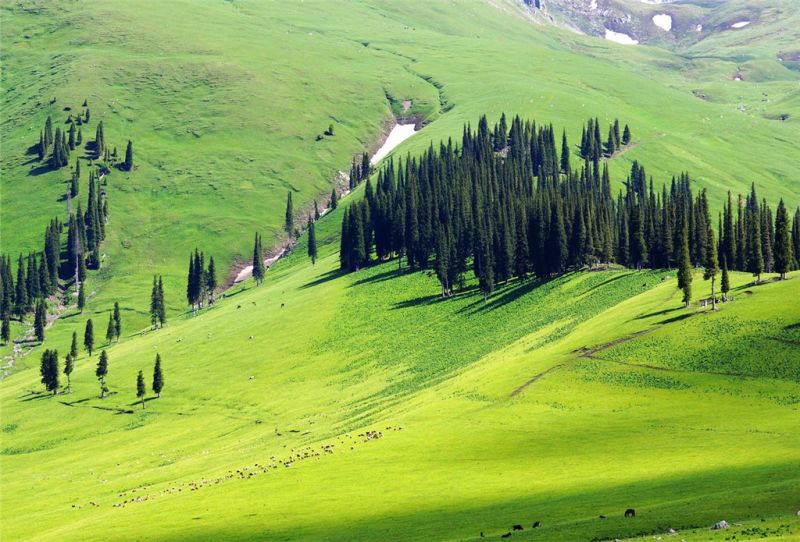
(510, 205)
(359, 172)
(201, 281)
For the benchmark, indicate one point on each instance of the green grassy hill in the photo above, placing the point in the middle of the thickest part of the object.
(326, 406)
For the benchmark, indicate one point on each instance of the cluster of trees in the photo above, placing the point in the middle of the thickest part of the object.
(36, 280)
(592, 146)
(114, 329)
(201, 282)
(86, 231)
(158, 311)
(360, 172)
(49, 368)
(521, 211)
(62, 142)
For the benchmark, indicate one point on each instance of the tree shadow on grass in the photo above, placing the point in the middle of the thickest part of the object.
(656, 313)
(510, 293)
(677, 318)
(325, 277)
(381, 277)
(40, 170)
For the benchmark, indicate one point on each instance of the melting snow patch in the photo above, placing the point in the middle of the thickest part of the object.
(663, 21)
(699, 28)
(619, 37)
(740, 24)
(593, 5)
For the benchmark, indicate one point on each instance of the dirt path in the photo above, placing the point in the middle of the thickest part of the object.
(534, 379)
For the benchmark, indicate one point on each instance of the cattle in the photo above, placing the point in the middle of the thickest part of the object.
(507, 535)
(630, 513)
(602, 516)
(516, 527)
(536, 524)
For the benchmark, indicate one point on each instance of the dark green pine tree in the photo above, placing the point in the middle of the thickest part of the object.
(725, 282)
(117, 321)
(21, 294)
(783, 242)
(48, 132)
(565, 165)
(312, 242)
(140, 387)
(87, 116)
(49, 370)
(99, 138)
(79, 139)
(69, 366)
(755, 260)
(316, 211)
(211, 279)
(711, 264)
(101, 372)
(158, 377)
(191, 282)
(5, 330)
(128, 164)
(73, 349)
(88, 337)
(685, 266)
(288, 224)
(81, 296)
(366, 168)
(162, 307)
(258, 261)
(334, 202)
(71, 137)
(616, 134)
(41, 148)
(626, 135)
(40, 320)
(110, 329)
(795, 239)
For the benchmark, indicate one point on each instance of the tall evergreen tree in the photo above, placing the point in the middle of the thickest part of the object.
(117, 321)
(211, 279)
(725, 283)
(334, 201)
(158, 377)
(288, 224)
(162, 307)
(69, 366)
(312, 242)
(316, 211)
(81, 296)
(40, 320)
(140, 387)
(626, 135)
(73, 349)
(21, 294)
(5, 330)
(101, 372)
(49, 370)
(88, 336)
(685, 267)
(258, 261)
(110, 329)
(783, 242)
(711, 264)
(128, 164)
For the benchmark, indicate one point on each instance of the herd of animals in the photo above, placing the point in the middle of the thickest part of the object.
(629, 513)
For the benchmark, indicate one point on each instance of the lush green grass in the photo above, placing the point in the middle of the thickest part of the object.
(504, 418)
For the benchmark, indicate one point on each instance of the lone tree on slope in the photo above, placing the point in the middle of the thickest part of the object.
(158, 377)
(69, 365)
(88, 336)
(101, 372)
(289, 219)
(128, 164)
(312, 242)
(49, 370)
(140, 389)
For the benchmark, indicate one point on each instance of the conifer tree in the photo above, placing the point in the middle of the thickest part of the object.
(685, 266)
(725, 284)
(99, 138)
(81, 296)
(162, 307)
(101, 372)
(783, 242)
(87, 116)
(258, 261)
(316, 210)
(71, 138)
(40, 320)
(79, 139)
(158, 377)
(312, 242)
(211, 279)
(73, 349)
(110, 329)
(565, 166)
(41, 148)
(140, 388)
(711, 264)
(334, 201)
(616, 134)
(21, 294)
(49, 370)
(288, 224)
(366, 168)
(88, 337)
(69, 365)
(626, 135)
(5, 330)
(128, 165)
(117, 321)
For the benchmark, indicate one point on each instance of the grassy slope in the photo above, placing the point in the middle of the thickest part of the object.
(591, 437)
(224, 126)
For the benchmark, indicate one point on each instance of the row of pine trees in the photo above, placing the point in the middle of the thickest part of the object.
(508, 206)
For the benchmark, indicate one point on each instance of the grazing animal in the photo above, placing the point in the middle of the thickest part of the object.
(481, 531)
(536, 524)
(630, 513)
(516, 527)
(507, 535)
(238, 306)
(602, 516)
(282, 304)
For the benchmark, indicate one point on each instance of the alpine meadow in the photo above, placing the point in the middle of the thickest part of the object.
(394, 271)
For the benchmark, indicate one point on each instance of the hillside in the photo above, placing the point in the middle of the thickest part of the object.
(325, 404)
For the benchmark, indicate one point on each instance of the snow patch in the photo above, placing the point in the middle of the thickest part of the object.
(619, 37)
(593, 5)
(399, 133)
(663, 21)
(740, 24)
(699, 28)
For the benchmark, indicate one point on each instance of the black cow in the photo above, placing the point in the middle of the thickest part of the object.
(536, 524)
(630, 513)
(516, 527)
(507, 535)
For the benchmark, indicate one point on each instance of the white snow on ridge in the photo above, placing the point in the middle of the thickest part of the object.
(619, 37)
(740, 24)
(663, 21)
(399, 133)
